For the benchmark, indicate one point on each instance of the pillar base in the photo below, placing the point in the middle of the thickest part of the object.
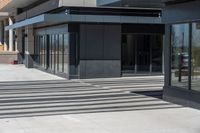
(20, 58)
(29, 62)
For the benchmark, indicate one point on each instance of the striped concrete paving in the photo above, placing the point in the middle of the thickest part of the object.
(55, 97)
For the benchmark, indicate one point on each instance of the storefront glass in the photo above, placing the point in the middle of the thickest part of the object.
(195, 57)
(180, 55)
(142, 53)
(52, 52)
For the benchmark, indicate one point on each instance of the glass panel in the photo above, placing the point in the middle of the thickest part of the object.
(180, 55)
(60, 53)
(44, 51)
(128, 51)
(157, 51)
(143, 53)
(56, 53)
(195, 56)
(53, 52)
(37, 50)
(41, 51)
(66, 54)
(50, 48)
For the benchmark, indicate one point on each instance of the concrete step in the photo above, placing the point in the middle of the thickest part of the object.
(73, 108)
(35, 98)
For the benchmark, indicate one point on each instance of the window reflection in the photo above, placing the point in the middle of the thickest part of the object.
(60, 54)
(66, 53)
(180, 55)
(52, 52)
(196, 56)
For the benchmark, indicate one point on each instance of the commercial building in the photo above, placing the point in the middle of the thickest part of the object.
(111, 38)
(87, 39)
(182, 52)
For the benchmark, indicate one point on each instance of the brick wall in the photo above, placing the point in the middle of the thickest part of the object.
(7, 57)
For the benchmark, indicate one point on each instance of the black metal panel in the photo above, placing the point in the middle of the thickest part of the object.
(183, 12)
(132, 3)
(143, 28)
(114, 11)
(167, 55)
(112, 42)
(96, 42)
(170, 2)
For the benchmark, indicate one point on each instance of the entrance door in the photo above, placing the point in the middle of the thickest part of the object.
(141, 53)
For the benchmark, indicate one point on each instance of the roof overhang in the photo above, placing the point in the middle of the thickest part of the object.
(132, 3)
(67, 18)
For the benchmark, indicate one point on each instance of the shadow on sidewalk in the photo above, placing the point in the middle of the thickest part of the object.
(58, 97)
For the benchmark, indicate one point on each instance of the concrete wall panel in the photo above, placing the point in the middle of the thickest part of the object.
(100, 68)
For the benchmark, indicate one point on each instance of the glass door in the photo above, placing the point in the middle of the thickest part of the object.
(129, 54)
(142, 53)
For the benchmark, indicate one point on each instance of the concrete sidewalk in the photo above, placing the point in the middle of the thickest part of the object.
(182, 120)
(32, 101)
(20, 73)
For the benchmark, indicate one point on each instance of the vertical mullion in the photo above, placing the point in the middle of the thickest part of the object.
(136, 55)
(151, 47)
(190, 57)
(58, 52)
(51, 50)
(63, 53)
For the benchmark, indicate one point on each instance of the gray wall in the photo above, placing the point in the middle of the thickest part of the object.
(100, 51)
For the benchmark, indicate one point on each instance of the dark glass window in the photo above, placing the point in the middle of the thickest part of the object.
(142, 53)
(56, 53)
(37, 49)
(66, 53)
(157, 53)
(52, 52)
(180, 55)
(195, 57)
(60, 56)
(41, 51)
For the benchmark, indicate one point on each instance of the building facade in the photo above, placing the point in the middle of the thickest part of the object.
(110, 38)
(89, 39)
(182, 52)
